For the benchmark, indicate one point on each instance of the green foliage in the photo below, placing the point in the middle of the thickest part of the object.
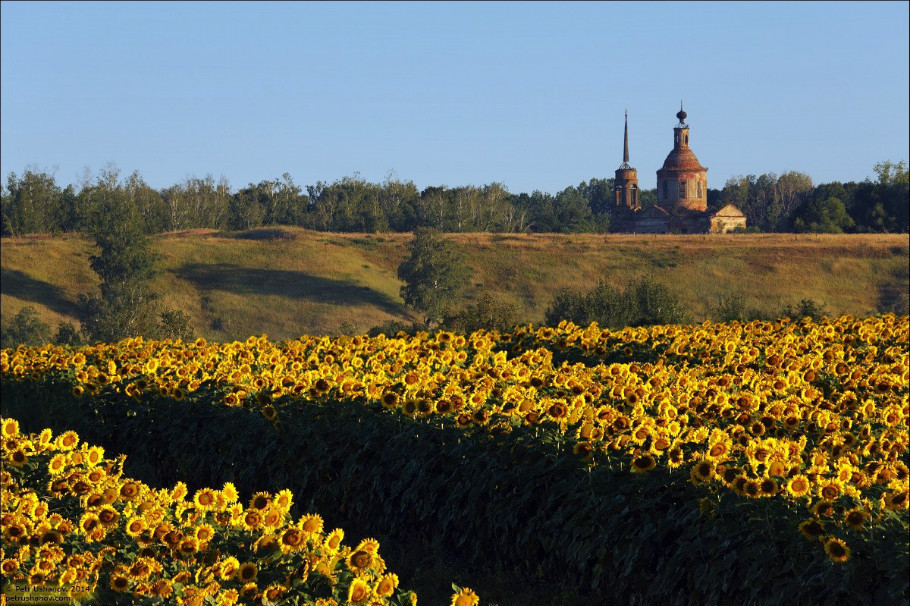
(644, 302)
(652, 302)
(767, 200)
(125, 264)
(394, 328)
(175, 324)
(827, 216)
(487, 314)
(434, 274)
(34, 203)
(804, 308)
(730, 307)
(26, 328)
(67, 334)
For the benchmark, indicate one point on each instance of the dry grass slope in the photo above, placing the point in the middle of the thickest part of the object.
(287, 281)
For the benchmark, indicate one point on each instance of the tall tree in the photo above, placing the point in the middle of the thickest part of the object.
(125, 264)
(434, 274)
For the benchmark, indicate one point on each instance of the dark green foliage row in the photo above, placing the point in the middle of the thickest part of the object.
(35, 203)
(647, 302)
(519, 501)
(643, 303)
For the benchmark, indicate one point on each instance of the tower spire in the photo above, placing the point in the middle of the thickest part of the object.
(625, 143)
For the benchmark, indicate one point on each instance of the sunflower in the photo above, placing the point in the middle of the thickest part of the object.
(188, 546)
(558, 410)
(855, 518)
(333, 540)
(387, 585)
(88, 522)
(162, 588)
(769, 487)
(129, 490)
(752, 488)
(10, 428)
(204, 533)
(273, 592)
(702, 472)
(18, 458)
(252, 520)
(823, 509)
(798, 486)
(583, 449)
(204, 499)
(675, 457)
(311, 523)
(260, 500)
(359, 559)
(837, 550)
(292, 539)
(895, 501)
(812, 529)
(51, 536)
(247, 572)
(9, 566)
(730, 473)
(229, 492)
(229, 567)
(249, 591)
(269, 412)
(119, 582)
(358, 592)
(465, 597)
(108, 516)
(389, 400)
(135, 526)
(643, 463)
(830, 491)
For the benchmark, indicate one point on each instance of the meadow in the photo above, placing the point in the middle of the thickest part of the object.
(722, 463)
(287, 281)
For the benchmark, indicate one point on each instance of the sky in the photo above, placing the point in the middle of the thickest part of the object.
(528, 94)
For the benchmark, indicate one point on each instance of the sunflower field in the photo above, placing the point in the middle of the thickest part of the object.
(74, 527)
(734, 463)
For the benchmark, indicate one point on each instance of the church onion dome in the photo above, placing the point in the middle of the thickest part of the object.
(682, 158)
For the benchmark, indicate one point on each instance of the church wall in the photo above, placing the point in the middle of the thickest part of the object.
(691, 200)
(723, 225)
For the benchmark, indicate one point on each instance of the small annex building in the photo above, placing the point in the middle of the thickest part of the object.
(682, 194)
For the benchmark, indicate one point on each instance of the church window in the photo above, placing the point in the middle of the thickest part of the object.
(687, 139)
(634, 194)
(699, 189)
(682, 190)
(664, 191)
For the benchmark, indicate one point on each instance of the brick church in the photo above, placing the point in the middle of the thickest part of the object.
(682, 194)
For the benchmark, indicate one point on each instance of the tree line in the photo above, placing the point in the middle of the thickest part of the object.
(35, 203)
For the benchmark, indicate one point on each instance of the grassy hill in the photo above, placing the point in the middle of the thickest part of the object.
(286, 282)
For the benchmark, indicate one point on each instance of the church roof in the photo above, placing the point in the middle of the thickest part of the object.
(682, 158)
(729, 211)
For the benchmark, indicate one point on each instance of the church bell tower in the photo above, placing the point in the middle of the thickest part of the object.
(625, 184)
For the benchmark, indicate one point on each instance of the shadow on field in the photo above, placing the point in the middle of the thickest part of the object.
(293, 284)
(20, 285)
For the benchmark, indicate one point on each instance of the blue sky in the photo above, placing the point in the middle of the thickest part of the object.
(529, 94)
